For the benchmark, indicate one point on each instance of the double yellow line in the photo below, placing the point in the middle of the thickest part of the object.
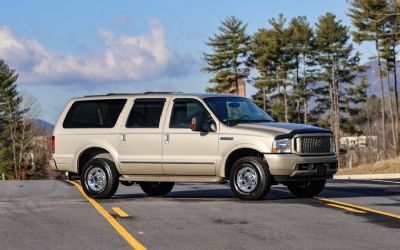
(356, 208)
(113, 222)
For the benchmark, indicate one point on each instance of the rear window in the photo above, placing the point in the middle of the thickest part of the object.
(94, 113)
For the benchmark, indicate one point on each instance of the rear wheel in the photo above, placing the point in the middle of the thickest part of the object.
(100, 178)
(156, 188)
(250, 178)
(307, 188)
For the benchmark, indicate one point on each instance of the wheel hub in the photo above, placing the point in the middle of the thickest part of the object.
(247, 179)
(96, 179)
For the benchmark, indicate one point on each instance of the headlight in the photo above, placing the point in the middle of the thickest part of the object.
(282, 146)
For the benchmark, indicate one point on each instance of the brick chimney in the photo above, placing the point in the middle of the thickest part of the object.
(242, 88)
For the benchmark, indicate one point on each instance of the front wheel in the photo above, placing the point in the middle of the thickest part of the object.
(100, 178)
(250, 178)
(307, 188)
(156, 188)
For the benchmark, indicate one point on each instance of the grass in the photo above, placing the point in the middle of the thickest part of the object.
(379, 167)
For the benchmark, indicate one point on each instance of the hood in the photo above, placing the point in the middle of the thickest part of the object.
(280, 129)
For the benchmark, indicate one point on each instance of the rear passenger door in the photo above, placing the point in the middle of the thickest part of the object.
(140, 137)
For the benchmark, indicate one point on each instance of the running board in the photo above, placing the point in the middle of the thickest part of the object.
(171, 178)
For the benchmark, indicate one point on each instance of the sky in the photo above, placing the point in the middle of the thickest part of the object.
(65, 49)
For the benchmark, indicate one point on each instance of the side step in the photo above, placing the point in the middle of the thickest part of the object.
(171, 178)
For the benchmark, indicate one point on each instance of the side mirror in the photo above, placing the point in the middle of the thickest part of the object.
(198, 124)
(213, 126)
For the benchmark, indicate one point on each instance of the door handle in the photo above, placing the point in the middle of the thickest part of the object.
(167, 138)
(123, 138)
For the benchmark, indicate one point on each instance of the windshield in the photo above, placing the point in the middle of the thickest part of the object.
(234, 110)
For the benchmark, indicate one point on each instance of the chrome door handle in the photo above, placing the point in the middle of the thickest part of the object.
(123, 138)
(167, 138)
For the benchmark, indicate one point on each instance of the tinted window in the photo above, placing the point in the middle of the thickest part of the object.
(183, 111)
(146, 113)
(94, 114)
(234, 110)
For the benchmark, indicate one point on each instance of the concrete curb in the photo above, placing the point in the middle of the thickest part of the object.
(367, 176)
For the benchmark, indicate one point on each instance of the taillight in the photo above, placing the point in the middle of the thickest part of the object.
(53, 144)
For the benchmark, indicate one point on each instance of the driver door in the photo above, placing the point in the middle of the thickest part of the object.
(186, 152)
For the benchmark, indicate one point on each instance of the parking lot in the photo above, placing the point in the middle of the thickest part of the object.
(56, 215)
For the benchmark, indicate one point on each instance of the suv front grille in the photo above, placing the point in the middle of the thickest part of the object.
(313, 144)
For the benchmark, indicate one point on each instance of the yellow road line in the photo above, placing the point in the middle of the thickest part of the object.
(118, 227)
(346, 208)
(120, 212)
(360, 207)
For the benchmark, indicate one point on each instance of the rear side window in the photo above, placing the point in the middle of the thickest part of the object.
(146, 113)
(94, 113)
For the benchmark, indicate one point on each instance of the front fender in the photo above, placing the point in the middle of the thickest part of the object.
(259, 146)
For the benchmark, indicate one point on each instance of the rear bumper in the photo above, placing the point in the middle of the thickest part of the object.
(286, 167)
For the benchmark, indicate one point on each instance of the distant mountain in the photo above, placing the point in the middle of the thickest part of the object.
(373, 78)
(46, 127)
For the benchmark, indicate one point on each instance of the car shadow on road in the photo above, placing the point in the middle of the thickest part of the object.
(219, 194)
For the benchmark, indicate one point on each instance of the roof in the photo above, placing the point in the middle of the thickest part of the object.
(201, 95)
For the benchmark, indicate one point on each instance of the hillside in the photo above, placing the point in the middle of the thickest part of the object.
(44, 126)
(379, 167)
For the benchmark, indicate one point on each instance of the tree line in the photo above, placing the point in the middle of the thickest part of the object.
(24, 148)
(311, 73)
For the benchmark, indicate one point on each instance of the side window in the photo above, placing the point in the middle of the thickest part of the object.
(94, 113)
(146, 113)
(184, 110)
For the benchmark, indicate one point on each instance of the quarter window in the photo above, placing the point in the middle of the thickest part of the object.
(146, 113)
(94, 113)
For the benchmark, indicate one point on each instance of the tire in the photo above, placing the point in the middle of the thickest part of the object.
(250, 178)
(100, 178)
(306, 189)
(156, 188)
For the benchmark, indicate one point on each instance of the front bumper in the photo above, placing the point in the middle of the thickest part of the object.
(294, 167)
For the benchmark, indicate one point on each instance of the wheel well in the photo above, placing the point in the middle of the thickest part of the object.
(91, 153)
(236, 155)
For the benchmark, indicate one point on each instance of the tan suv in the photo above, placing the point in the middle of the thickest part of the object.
(157, 139)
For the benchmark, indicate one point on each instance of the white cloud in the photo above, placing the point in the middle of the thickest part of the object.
(124, 58)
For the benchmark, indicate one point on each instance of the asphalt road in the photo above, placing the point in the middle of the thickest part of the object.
(55, 215)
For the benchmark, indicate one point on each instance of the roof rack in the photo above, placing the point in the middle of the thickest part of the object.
(145, 93)
(161, 92)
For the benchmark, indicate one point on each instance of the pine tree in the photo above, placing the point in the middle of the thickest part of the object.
(229, 60)
(369, 18)
(272, 58)
(11, 120)
(263, 56)
(338, 63)
(302, 49)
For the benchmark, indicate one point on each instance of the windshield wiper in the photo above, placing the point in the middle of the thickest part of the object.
(264, 120)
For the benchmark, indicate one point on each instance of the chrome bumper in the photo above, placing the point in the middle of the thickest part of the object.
(293, 166)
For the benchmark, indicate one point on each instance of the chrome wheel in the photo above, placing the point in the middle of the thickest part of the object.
(246, 179)
(96, 179)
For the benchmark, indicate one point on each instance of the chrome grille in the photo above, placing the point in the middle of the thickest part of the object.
(313, 144)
